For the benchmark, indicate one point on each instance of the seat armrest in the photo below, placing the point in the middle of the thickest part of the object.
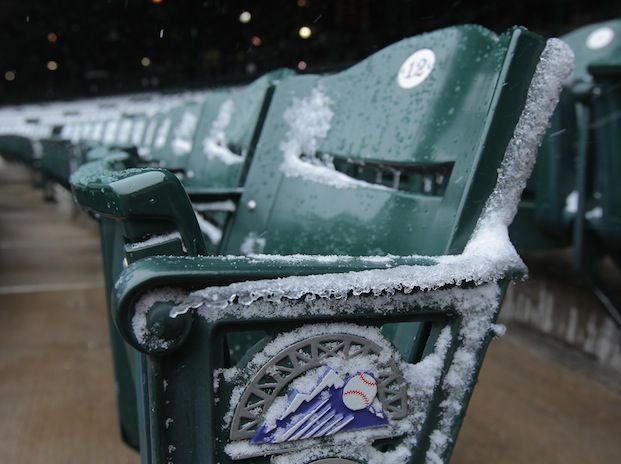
(211, 282)
(141, 198)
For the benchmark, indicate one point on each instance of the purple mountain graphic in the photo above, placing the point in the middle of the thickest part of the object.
(320, 413)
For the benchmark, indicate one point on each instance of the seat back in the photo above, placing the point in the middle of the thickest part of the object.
(175, 135)
(592, 43)
(60, 158)
(225, 133)
(396, 155)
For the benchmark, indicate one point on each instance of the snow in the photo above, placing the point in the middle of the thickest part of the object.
(184, 134)
(139, 319)
(162, 134)
(215, 144)
(309, 121)
(154, 240)
(125, 131)
(252, 244)
(571, 202)
(138, 131)
(213, 233)
(98, 131)
(553, 70)
(150, 133)
(226, 205)
(499, 330)
(110, 132)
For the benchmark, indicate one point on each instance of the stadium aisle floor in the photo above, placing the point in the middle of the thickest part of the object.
(57, 391)
(57, 400)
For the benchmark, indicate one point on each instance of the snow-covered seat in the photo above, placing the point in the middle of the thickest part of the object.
(374, 217)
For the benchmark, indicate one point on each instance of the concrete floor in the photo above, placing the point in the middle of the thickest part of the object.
(535, 401)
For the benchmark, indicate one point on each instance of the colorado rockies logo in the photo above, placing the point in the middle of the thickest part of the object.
(318, 387)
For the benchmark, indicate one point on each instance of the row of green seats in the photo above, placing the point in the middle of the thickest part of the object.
(204, 145)
(341, 310)
(572, 197)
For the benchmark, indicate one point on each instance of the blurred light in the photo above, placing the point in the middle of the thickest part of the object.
(305, 32)
(251, 68)
(301, 3)
(9, 75)
(52, 65)
(245, 17)
(256, 41)
(145, 61)
(52, 37)
(302, 65)
(157, 2)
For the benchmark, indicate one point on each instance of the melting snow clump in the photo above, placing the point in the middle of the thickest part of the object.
(309, 122)
(215, 144)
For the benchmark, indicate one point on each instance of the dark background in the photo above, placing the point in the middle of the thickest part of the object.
(98, 45)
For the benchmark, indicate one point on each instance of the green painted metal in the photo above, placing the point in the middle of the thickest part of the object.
(145, 205)
(451, 131)
(149, 201)
(113, 263)
(597, 231)
(607, 137)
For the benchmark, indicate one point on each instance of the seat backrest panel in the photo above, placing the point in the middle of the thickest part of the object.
(592, 43)
(225, 132)
(296, 202)
(376, 119)
(179, 137)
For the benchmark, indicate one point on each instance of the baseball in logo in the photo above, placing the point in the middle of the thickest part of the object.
(360, 391)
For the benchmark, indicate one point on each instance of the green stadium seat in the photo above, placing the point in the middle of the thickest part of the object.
(421, 149)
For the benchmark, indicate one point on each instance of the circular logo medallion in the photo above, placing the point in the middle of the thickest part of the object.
(416, 68)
